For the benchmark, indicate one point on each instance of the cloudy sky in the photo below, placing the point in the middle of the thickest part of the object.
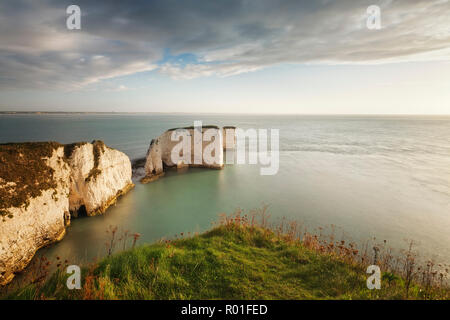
(265, 56)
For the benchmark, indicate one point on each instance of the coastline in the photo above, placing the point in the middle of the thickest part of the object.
(227, 184)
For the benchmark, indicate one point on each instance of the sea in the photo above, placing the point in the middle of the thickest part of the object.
(365, 177)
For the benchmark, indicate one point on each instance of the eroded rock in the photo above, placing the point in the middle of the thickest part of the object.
(159, 154)
(40, 183)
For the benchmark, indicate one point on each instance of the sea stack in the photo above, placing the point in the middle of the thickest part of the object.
(229, 137)
(42, 184)
(159, 153)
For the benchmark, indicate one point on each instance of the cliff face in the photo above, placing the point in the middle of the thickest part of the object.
(40, 183)
(36, 216)
(159, 154)
(99, 175)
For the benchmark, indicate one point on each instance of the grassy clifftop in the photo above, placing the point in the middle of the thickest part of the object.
(232, 261)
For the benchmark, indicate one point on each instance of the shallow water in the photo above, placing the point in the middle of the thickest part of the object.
(381, 176)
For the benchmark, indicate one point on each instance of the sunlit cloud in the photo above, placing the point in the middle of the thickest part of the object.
(228, 37)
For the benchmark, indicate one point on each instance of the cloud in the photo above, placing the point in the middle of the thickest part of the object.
(228, 37)
(192, 71)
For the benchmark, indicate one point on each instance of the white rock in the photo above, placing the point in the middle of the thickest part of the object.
(229, 138)
(159, 154)
(27, 228)
(97, 186)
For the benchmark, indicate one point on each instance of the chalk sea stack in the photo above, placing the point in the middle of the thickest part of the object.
(159, 153)
(229, 137)
(43, 184)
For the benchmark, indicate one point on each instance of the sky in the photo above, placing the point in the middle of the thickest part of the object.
(230, 56)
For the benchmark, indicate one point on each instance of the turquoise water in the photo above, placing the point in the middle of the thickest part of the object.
(381, 176)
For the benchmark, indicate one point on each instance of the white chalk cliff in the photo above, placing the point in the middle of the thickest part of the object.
(99, 175)
(42, 183)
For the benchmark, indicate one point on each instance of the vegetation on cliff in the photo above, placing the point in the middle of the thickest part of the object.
(193, 127)
(98, 149)
(240, 258)
(70, 148)
(24, 173)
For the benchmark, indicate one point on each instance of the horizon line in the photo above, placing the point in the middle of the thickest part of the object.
(222, 113)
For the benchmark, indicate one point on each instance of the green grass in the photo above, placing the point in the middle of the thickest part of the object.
(228, 262)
